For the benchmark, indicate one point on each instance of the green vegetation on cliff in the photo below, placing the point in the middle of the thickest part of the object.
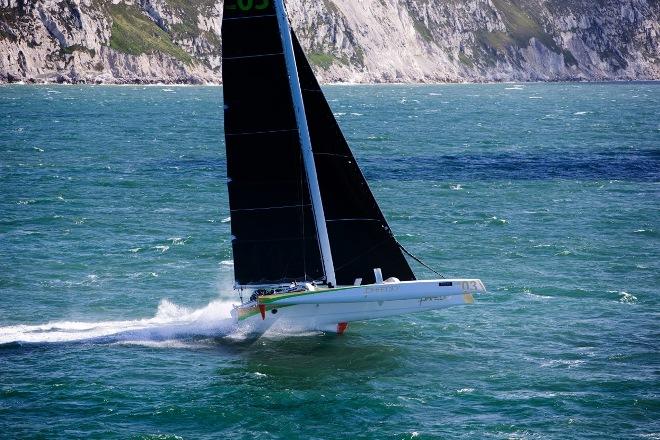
(520, 29)
(363, 41)
(321, 59)
(133, 33)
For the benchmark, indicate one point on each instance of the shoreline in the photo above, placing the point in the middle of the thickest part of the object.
(420, 84)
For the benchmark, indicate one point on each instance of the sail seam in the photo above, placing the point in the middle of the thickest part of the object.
(352, 220)
(269, 207)
(332, 154)
(252, 56)
(286, 130)
(243, 240)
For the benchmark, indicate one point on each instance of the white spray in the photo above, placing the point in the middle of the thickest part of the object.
(171, 322)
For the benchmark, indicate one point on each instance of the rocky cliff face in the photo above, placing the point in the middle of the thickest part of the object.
(178, 41)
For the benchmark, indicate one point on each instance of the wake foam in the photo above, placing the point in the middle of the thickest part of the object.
(171, 323)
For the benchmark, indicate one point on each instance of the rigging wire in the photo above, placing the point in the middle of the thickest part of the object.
(407, 252)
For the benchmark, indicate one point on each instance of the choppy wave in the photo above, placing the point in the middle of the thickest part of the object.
(170, 323)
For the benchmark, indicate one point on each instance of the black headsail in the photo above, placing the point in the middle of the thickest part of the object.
(360, 237)
(274, 237)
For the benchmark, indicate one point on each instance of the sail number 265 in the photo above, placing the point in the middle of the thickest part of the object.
(248, 5)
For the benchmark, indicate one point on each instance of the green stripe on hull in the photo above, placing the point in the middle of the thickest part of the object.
(273, 298)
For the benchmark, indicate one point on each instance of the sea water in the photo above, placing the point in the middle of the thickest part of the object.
(116, 269)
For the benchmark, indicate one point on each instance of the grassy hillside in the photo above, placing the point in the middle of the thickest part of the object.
(133, 33)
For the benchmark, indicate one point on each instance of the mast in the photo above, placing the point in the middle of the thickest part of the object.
(306, 143)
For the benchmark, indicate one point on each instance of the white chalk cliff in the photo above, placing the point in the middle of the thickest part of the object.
(178, 41)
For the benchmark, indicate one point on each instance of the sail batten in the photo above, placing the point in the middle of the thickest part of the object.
(353, 220)
(261, 132)
(271, 207)
(253, 56)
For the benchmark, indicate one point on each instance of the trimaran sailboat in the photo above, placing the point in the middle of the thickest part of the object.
(312, 249)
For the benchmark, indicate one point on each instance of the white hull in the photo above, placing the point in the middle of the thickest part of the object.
(331, 309)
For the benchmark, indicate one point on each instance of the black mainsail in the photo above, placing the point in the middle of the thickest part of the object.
(275, 238)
